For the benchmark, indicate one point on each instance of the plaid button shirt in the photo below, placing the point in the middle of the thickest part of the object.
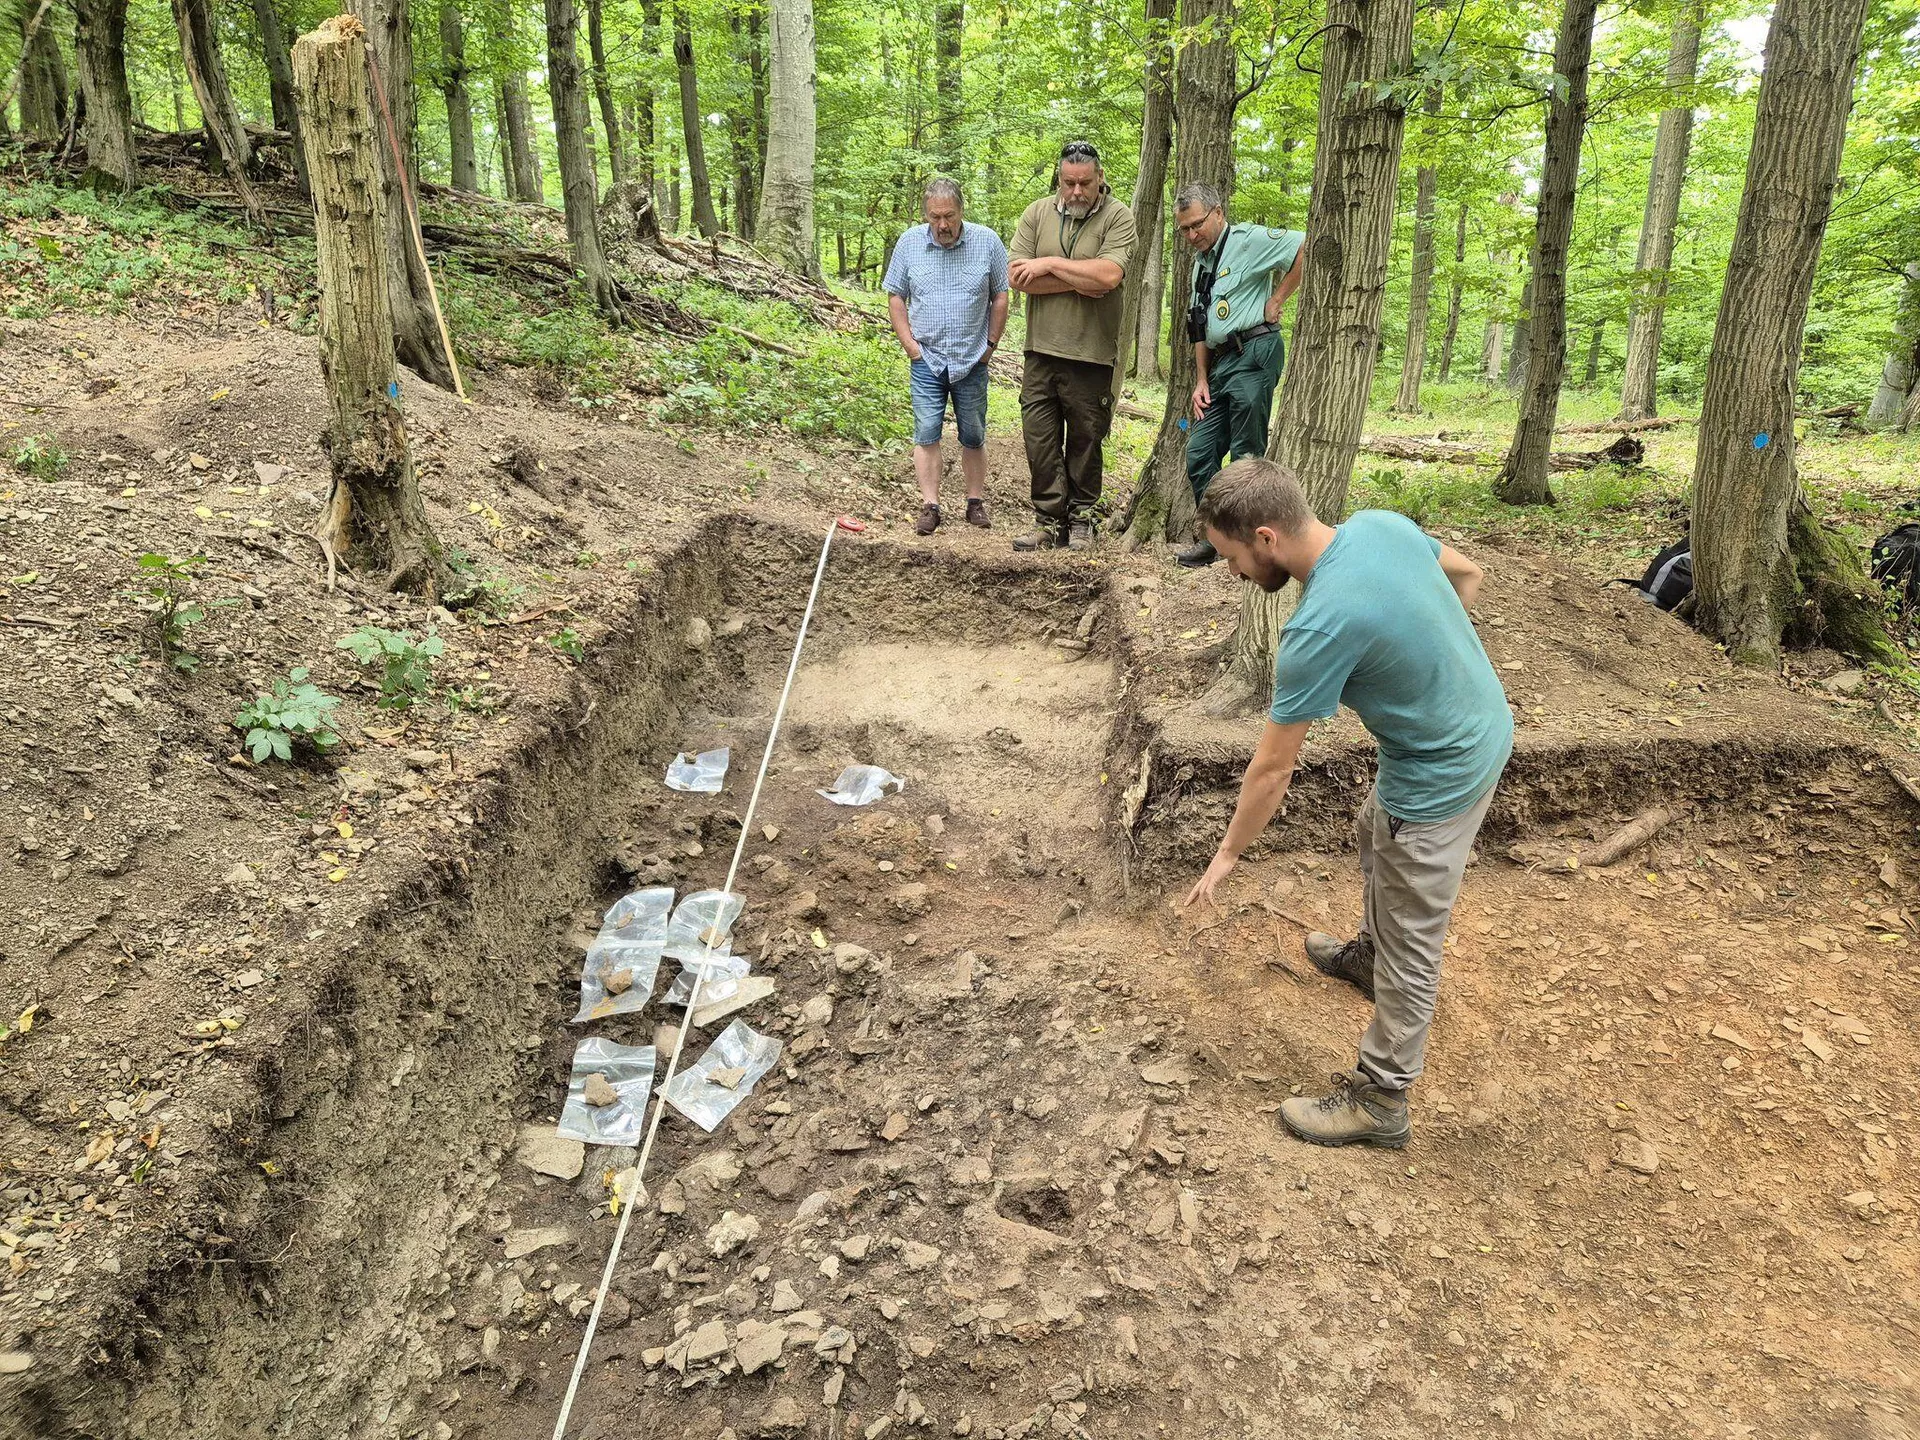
(949, 290)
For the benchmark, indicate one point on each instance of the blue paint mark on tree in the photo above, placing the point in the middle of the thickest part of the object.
(1760, 440)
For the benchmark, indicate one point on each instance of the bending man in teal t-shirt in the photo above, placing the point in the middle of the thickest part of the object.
(1382, 628)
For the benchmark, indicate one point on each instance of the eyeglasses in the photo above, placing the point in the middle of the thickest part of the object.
(1079, 150)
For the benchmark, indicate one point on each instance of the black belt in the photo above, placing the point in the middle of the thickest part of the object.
(1240, 339)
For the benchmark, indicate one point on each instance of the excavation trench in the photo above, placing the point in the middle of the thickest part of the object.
(1028, 1104)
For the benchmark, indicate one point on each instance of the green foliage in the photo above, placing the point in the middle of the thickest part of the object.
(39, 456)
(292, 713)
(166, 598)
(406, 663)
(569, 644)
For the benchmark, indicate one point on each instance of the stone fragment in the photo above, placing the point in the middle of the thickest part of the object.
(750, 991)
(728, 1077)
(240, 877)
(1127, 1339)
(709, 1341)
(919, 1256)
(970, 1170)
(779, 1179)
(782, 1420)
(817, 1011)
(521, 1243)
(756, 1346)
(699, 634)
(1636, 1154)
(15, 1362)
(1167, 1072)
(546, 1153)
(851, 959)
(855, 1247)
(618, 982)
(785, 1297)
(897, 1126)
(908, 902)
(830, 1392)
(730, 1232)
(599, 1092)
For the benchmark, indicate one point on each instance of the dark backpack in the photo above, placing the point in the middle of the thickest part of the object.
(1896, 565)
(1669, 576)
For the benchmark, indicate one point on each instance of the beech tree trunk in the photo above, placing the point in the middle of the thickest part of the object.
(1520, 342)
(786, 198)
(219, 116)
(286, 113)
(1153, 305)
(1493, 341)
(1654, 262)
(1595, 339)
(1746, 590)
(523, 159)
(703, 217)
(416, 337)
(949, 26)
(43, 86)
(453, 87)
(1149, 188)
(1336, 334)
(1204, 103)
(1903, 358)
(741, 128)
(100, 51)
(1455, 292)
(375, 507)
(647, 138)
(573, 134)
(1413, 363)
(603, 93)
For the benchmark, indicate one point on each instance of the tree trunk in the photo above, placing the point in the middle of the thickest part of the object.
(1204, 103)
(219, 116)
(1456, 290)
(603, 93)
(1283, 182)
(453, 86)
(703, 217)
(1745, 486)
(646, 138)
(1520, 344)
(1638, 390)
(1413, 364)
(1523, 479)
(1903, 358)
(42, 73)
(1594, 340)
(523, 159)
(573, 133)
(757, 83)
(375, 506)
(416, 337)
(949, 26)
(786, 201)
(100, 51)
(1336, 335)
(1491, 343)
(741, 128)
(1150, 184)
(1153, 307)
(286, 114)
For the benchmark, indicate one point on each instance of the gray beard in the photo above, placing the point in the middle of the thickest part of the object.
(1076, 212)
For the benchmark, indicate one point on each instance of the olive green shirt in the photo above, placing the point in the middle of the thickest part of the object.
(1070, 325)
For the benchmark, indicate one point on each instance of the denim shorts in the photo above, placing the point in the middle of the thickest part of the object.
(930, 392)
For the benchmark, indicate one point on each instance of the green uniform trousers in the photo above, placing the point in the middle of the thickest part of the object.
(1236, 421)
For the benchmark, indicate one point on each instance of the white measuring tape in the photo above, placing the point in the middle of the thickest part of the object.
(630, 1200)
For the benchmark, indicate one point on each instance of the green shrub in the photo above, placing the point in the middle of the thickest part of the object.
(165, 597)
(406, 664)
(292, 713)
(39, 456)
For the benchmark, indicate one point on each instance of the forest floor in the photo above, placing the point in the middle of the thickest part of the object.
(285, 1043)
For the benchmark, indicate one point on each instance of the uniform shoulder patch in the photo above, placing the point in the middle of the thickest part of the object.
(1225, 271)
(1273, 234)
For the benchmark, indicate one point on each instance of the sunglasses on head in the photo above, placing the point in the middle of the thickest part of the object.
(1079, 150)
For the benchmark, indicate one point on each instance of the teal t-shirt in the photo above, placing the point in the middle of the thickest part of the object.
(1380, 630)
(1252, 260)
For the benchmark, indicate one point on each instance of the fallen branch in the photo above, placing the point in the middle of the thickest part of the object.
(1913, 790)
(1627, 427)
(759, 340)
(1625, 451)
(1630, 837)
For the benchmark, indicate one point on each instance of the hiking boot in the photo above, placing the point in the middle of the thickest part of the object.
(1348, 960)
(1356, 1112)
(1044, 536)
(1196, 556)
(929, 520)
(977, 514)
(1079, 534)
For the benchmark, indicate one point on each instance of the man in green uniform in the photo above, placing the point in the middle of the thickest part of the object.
(1069, 257)
(1235, 328)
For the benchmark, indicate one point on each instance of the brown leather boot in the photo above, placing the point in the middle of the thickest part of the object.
(1355, 1112)
(929, 520)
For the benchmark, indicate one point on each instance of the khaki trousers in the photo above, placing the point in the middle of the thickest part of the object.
(1066, 409)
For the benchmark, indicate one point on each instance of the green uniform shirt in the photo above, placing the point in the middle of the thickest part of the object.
(1252, 258)
(1071, 325)
(1380, 630)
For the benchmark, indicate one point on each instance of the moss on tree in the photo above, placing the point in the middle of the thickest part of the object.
(1835, 602)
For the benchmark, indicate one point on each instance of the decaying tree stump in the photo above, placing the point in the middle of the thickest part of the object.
(375, 503)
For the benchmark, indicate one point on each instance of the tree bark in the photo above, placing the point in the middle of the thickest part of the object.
(1523, 479)
(1149, 187)
(416, 337)
(1204, 102)
(1336, 335)
(647, 140)
(100, 51)
(741, 128)
(786, 199)
(286, 113)
(523, 159)
(1413, 364)
(949, 27)
(219, 116)
(1283, 182)
(1745, 587)
(1595, 339)
(703, 217)
(1903, 357)
(573, 133)
(1652, 266)
(1153, 306)
(1492, 341)
(1520, 342)
(453, 89)
(1456, 291)
(603, 93)
(375, 505)
(42, 73)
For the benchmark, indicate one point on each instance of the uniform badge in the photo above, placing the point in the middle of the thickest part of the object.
(1273, 234)
(1221, 310)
